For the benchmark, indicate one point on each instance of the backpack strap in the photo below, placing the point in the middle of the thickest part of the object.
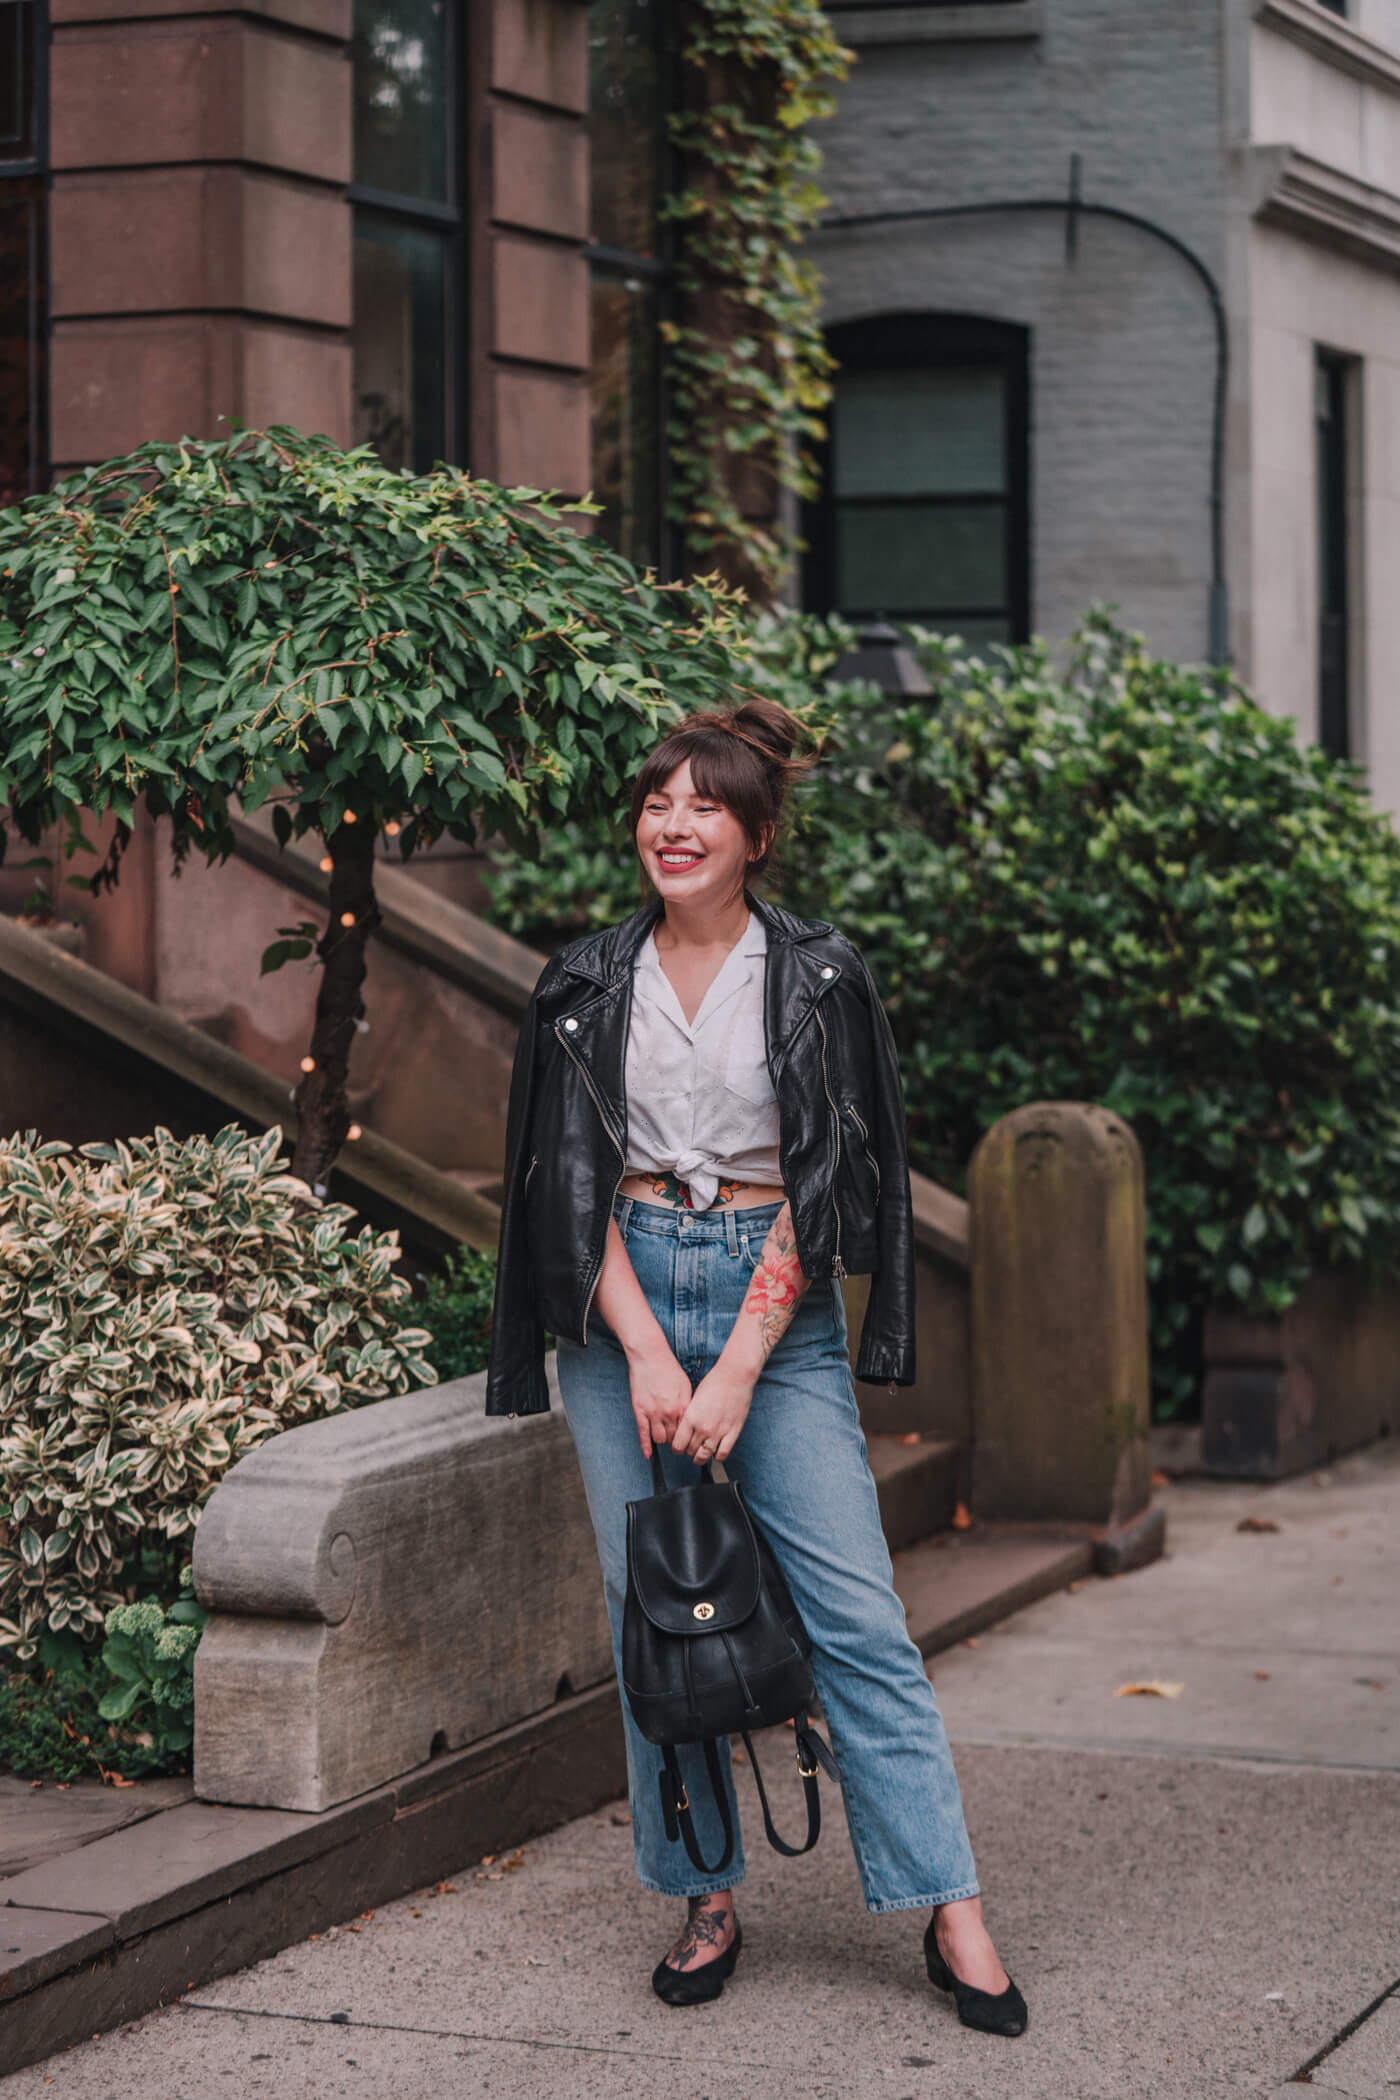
(812, 1753)
(675, 1808)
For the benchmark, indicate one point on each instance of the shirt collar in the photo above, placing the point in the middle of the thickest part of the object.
(753, 941)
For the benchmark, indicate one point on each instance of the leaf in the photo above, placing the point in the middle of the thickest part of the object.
(119, 1702)
(1150, 1687)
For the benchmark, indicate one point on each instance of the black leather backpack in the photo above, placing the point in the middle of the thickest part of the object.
(713, 1645)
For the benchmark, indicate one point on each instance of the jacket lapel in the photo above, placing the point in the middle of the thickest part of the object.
(794, 981)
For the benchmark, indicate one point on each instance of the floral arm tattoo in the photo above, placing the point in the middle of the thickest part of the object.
(777, 1282)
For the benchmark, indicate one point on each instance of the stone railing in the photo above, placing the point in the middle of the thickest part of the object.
(385, 1585)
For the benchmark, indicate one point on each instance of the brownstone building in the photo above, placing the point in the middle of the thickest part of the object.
(431, 226)
(365, 217)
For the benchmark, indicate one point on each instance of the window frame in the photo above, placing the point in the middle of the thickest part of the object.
(448, 220)
(39, 319)
(605, 260)
(901, 342)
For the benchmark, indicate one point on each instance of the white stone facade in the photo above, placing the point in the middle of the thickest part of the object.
(1265, 136)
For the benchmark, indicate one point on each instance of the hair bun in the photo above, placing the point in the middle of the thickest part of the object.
(765, 724)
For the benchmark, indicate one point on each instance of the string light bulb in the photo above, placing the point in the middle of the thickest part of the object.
(308, 1064)
(349, 817)
(354, 1132)
(347, 918)
(393, 828)
(327, 865)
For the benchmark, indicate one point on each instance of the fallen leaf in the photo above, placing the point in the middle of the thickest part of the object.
(1336, 1579)
(962, 1518)
(535, 1961)
(972, 1641)
(35, 1783)
(1376, 1684)
(1072, 1589)
(366, 1913)
(621, 1817)
(1161, 1479)
(488, 1859)
(449, 1888)
(1223, 1829)
(737, 1757)
(1262, 1675)
(354, 1928)
(1152, 1687)
(1256, 1524)
(910, 1436)
(415, 1914)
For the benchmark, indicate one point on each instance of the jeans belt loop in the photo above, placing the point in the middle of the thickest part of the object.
(624, 1214)
(731, 1233)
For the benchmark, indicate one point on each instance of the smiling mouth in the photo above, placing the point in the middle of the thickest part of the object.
(679, 860)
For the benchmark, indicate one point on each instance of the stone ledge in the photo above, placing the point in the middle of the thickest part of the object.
(1290, 189)
(1332, 39)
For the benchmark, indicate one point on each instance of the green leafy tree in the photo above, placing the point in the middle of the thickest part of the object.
(267, 619)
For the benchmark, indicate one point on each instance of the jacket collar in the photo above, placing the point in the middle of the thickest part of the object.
(608, 955)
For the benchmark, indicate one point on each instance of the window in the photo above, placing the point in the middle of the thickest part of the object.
(1335, 384)
(23, 110)
(1334, 7)
(630, 66)
(408, 387)
(923, 512)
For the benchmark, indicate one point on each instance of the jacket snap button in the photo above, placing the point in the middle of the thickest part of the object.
(828, 971)
(571, 1023)
(704, 1611)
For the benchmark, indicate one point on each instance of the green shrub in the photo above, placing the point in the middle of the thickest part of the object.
(454, 1307)
(51, 1726)
(1131, 885)
(150, 1653)
(1127, 883)
(165, 1306)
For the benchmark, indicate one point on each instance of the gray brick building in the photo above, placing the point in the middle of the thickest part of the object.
(1026, 414)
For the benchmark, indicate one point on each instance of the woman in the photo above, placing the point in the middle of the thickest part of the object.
(705, 1133)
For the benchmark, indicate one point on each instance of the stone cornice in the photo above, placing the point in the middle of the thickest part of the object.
(1332, 40)
(1288, 188)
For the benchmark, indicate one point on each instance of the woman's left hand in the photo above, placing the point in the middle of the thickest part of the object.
(718, 1410)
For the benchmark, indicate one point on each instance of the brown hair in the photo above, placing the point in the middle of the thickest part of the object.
(743, 757)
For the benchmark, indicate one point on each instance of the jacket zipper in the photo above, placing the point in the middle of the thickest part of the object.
(838, 1267)
(858, 1120)
(534, 1162)
(622, 1156)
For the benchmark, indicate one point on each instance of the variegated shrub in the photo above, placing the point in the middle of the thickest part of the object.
(165, 1305)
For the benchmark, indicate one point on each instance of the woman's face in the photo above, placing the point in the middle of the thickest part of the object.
(694, 850)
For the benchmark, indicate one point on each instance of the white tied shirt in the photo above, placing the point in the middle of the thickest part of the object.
(700, 1102)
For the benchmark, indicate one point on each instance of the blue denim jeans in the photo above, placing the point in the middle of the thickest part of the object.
(801, 1459)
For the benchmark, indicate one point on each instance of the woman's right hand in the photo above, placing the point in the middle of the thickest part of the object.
(660, 1394)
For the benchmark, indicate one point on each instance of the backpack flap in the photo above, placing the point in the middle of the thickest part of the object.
(693, 1559)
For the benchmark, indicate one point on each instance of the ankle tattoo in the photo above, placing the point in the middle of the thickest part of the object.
(707, 1928)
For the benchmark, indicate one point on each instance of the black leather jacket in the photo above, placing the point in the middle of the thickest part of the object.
(841, 1142)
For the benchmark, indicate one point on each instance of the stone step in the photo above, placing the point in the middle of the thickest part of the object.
(957, 1583)
(917, 1484)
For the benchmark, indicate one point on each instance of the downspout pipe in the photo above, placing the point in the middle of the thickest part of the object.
(1218, 606)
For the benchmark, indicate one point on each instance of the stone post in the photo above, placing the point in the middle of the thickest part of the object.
(1060, 1380)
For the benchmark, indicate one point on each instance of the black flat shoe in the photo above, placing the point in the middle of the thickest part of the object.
(697, 1986)
(994, 2012)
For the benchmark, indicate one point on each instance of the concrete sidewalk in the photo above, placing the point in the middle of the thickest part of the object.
(1197, 1894)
